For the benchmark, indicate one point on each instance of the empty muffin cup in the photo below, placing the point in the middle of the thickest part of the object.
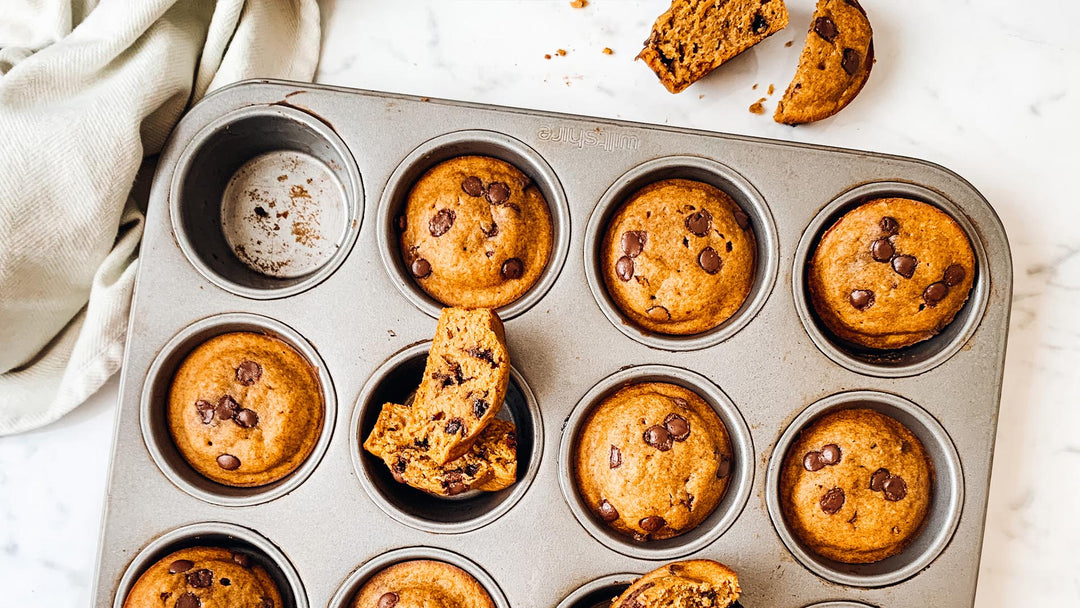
(266, 201)
(946, 492)
(901, 362)
(712, 173)
(459, 144)
(740, 476)
(393, 382)
(153, 406)
(217, 534)
(598, 593)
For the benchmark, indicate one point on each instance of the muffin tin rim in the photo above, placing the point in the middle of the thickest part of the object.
(594, 585)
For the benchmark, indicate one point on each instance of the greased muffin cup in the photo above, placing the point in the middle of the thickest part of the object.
(598, 593)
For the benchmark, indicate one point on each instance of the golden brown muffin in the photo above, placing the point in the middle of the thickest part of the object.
(204, 577)
(652, 460)
(891, 273)
(422, 584)
(245, 409)
(696, 583)
(490, 465)
(834, 65)
(855, 486)
(475, 232)
(694, 37)
(679, 257)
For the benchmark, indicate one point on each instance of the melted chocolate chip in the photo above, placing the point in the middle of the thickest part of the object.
(472, 186)
(242, 559)
(188, 600)
(826, 28)
(832, 501)
(454, 484)
(658, 313)
(889, 225)
(472, 469)
(813, 461)
(246, 418)
(615, 458)
(420, 268)
(935, 293)
(490, 232)
(954, 275)
(454, 426)
(830, 454)
(904, 265)
(228, 462)
(851, 61)
(862, 299)
(226, 408)
(200, 579)
(633, 242)
(723, 467)
(248, 373)
(677, 426)
(511, 440)
(699, 223)
(206, 410)
(402, 223)
(652, 523)
(760, 25)
(497, 193)
(480, 407)
(181, 565)
(877, 480)
(607, 511)
(894, 488)
(512, 269)
(484, 354)
(658, 437)
(389, 599)
(741, 219)
(225, 582)
(441, 222)
(710, 261)
(624, 268)
(882, 250)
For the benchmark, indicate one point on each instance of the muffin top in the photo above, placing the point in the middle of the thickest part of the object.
(890, 273)
(204, 577)
(245, 409)
(652, 460)
(422, 584)
(678, 257)
(695, 583)
(475, 232)
(855, 486)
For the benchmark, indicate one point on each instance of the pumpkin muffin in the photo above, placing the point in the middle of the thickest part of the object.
(204, 577)
(422, 584)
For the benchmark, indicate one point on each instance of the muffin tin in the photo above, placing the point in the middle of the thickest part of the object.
(364, 324)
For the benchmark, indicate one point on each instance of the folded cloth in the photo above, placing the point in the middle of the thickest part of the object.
(87, 89)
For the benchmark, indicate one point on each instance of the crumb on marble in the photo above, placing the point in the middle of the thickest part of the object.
(754, 88)
(561, 52)
(579, 3)
(757, 107)
(607, 50)
(789, 43)
(772, 89)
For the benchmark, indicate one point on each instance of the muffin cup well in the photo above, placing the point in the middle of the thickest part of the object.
(154, 401)
(217, 534)
(600, 592)
(911, 360)
(352, 584)
(471, 143)
(393, 381)
(739, 483)
(703, 170)
(946, 500)
(217, 153)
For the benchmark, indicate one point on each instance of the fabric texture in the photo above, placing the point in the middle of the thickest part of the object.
(89, 88)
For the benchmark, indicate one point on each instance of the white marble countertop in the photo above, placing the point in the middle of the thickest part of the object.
(988, 88)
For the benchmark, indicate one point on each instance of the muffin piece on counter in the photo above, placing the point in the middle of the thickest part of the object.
(204, 577)
(697, 583)
(694, 37)
(422, 584)
(890, 273)
(679, 257)
(245, 409)
(475, 232)
(652, 460)
(855, 486)
(834, 65)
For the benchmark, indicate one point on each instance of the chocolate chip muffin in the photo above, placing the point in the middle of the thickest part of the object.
(422, 584)
(834, 65)
(694, 37)
(204, 577)
(652, 460)
(679, 257)
(891, 273)
(245, 409)
(475, 232)
(696, 583)
(855, 487)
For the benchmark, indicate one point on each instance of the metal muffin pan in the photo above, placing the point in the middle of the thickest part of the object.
(365, 325)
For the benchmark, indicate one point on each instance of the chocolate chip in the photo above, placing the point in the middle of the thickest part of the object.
(826, 28)
(390, 599)
(607, 511)
(851, 61)
(699, 223)
(760, 24)
(402, 223)
(420, 268)
(441, 222)
(454, 426)
(454, 484)
(200, 579)
(889, 225)
(225, 582)
(226, 408)
(472, 469)
(633, 241)
(658, 437)
(498, 193)
(658, 313)
(490, 232)
(624, 268)
(813, 461)
(266, 602)
(480, 407)
(877, 480)
(862, 299)
(228, 462)
(400, 466)
(954, 275)
(677, 426)
(832, 501)
(512, 269)
(895, 488)
(741, 219)
(206, 410)
(904, 265)
(164, 595)
(181, 565)
(511, 440)
(472, 186)
(882, 250)
(723, 467)
(248, 373)
(709, 260)
(246, 418)
(188, 600)
(484, 354)
(830, 454)
(652, 523)
(259, 211)
(242, 559)
(615, 458)
(935, 293)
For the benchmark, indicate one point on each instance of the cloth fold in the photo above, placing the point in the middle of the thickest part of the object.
(87, 90)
